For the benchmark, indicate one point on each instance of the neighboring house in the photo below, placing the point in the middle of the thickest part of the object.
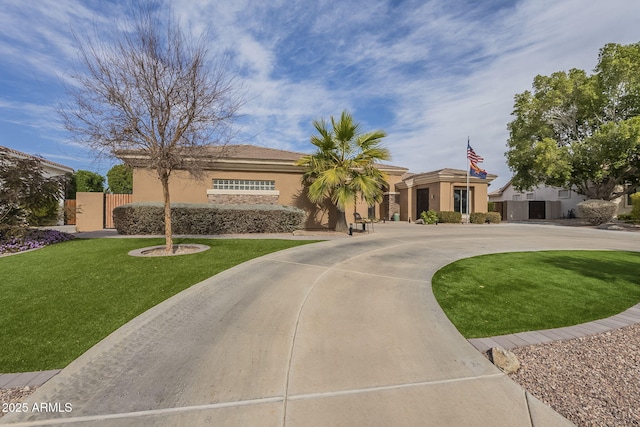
(543, 202)
(251, 174)
(49, 168)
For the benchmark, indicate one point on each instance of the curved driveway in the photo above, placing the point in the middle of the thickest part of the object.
(344, 332)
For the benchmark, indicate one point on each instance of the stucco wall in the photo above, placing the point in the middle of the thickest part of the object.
(184, 188)
(89, 211)
(478, 202)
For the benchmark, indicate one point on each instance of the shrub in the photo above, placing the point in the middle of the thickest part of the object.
(597, 212)
(46, 214)
(491, 206)
(494, 217)
(635, 210)
(450, 217)
(199, 219)
(625, 217)
(478, 218)
(429, 217)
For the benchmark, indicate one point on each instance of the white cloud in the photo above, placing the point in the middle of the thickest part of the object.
(438, 70)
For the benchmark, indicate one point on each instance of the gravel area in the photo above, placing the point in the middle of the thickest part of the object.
(13, 395)
(592, 381)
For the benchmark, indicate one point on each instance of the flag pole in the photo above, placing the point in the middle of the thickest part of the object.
(468, 169)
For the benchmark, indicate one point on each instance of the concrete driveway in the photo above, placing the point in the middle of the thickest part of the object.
(344, 332)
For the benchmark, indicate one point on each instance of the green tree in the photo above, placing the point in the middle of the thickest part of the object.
(87, 181)
(120, 179)
(27, 195)
(581, 131)
(344, 165)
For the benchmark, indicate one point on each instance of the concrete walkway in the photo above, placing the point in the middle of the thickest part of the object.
(344, 332)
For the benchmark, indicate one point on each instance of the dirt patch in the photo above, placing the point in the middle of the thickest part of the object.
(155, 251)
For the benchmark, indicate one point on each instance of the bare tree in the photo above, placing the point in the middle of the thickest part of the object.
(152, 91)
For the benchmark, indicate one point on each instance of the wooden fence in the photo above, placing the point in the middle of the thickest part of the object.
(70, 212)
(112, 201)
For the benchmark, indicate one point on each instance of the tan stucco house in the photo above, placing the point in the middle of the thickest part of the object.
(252, 174)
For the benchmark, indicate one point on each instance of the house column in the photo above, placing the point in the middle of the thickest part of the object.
(389, 205)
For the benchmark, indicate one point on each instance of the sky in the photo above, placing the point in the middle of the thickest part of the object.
(430, 73)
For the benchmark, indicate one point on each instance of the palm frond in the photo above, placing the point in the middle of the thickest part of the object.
(344, 165)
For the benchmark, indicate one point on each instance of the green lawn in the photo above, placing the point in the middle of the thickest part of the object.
(59, 301)
(524, 291)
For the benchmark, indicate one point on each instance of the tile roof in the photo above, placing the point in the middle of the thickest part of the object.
(443, 172)
(251, 153)
(254, 152)
(31, 156)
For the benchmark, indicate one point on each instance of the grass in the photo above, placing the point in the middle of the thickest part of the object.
(59, 301)
(513, 292)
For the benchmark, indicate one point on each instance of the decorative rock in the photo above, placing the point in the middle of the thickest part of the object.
(610, 227)
(504, 359)
(419, 221)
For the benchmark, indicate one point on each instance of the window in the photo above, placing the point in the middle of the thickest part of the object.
(243, 185)
(530, 196)
(460, 200)
(516, 197)
(564, 194)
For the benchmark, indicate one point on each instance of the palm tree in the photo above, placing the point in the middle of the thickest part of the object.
(344, 165)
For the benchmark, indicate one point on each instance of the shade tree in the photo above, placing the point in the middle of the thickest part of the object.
(581, 131)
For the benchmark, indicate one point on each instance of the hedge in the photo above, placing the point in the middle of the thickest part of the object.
(597, 211)
(478, 218)
(494, 217)
(203, 219)
(449, 217)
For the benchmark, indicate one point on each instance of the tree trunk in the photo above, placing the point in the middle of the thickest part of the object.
(164, 179)
(341, 224)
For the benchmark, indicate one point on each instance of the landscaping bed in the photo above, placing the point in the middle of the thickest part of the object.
(28, 239)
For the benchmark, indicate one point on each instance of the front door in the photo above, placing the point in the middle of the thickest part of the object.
(422, 201)
(460, 200)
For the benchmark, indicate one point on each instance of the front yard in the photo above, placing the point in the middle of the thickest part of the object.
(506, 293)
(59, 301)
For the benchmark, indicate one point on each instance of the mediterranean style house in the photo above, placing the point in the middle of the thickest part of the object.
(255, 175)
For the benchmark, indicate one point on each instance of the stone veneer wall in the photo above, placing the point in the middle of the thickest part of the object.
(389, 205)
(243, 199)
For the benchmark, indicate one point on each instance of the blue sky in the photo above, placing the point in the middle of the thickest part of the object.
(429, 73)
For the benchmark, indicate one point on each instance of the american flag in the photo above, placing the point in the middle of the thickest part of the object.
(471, 155)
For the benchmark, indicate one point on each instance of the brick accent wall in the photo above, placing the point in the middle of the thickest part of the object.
(243, 199)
